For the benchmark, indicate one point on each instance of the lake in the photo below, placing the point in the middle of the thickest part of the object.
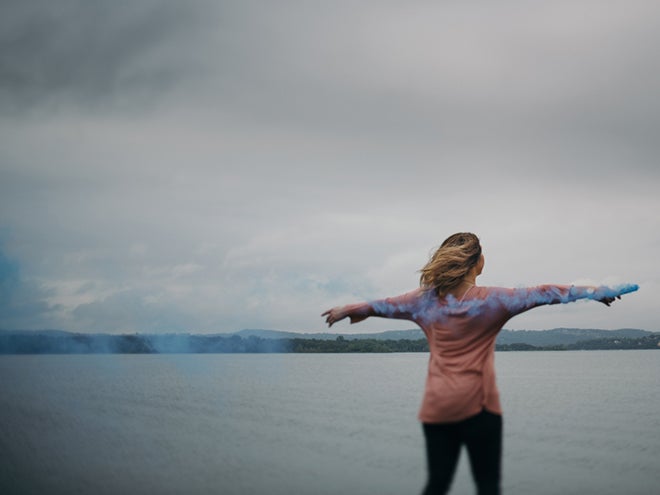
(575, 422)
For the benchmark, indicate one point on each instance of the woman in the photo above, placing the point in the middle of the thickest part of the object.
(461, 321)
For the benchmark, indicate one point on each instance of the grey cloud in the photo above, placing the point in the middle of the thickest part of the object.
(424, 70)
(133, 311)
(389, 74)
(295, 154)
(88, 53)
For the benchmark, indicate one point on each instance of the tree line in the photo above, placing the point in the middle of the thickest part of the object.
(26, 343)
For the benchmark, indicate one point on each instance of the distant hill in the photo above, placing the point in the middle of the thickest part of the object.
(61, 342)
(277, 334)
(565, 336)
(537, 338)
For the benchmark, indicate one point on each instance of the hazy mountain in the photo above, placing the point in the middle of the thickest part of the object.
(556, 336)
(277, 334)
(565, 336)
(260, 340)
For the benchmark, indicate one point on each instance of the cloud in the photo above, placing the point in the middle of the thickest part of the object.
(222, 165)
(133, 311)
(88, 53)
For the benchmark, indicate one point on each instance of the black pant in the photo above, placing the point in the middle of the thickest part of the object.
(482, 435)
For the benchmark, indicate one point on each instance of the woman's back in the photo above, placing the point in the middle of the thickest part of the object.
(461, 374)
(461, 404)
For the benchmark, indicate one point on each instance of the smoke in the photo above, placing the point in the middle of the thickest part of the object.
(22, 299)
(59, 342)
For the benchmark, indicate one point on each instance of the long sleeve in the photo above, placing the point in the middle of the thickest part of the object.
(408, 306)
(517, 301)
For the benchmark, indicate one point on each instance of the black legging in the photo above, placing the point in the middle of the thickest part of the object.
(482, 435)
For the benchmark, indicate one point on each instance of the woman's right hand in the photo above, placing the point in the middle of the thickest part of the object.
(356, 312)
(335, 314)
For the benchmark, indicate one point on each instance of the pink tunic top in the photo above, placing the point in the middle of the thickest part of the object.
(461, 336)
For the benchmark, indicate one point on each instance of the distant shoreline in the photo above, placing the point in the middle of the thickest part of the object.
(254, 341)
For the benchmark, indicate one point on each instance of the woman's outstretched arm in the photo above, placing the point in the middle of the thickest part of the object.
(519, 300)
(403, 307)
(356, 313)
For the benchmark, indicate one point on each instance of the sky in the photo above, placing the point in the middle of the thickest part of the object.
(210, 166)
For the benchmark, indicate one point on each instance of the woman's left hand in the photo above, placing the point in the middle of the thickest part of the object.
(608, 300)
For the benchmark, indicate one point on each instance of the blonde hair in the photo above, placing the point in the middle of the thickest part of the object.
(450, 263)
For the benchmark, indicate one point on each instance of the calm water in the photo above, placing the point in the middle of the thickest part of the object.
(575, 423)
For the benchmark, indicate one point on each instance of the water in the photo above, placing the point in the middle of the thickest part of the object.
(575, 423)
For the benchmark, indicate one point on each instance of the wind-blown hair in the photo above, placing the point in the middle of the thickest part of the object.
(450, 263)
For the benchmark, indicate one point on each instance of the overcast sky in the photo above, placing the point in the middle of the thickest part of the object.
(209, 166)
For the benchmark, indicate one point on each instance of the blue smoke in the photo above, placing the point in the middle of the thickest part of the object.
(60, 342)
